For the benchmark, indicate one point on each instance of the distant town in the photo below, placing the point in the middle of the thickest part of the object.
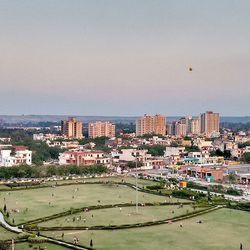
(189, 148)
(59, 180)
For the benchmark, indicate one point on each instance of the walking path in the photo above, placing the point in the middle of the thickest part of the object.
(19, 230)
(9, 227)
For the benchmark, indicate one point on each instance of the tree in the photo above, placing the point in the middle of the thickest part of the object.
(217, 152)
(246, 157)
(227, 154)
(209, 197)
(245, 144)
(132, 164)
(157, 150)
(232, 178)
(4, 245)
(192, 149)
(162, 183)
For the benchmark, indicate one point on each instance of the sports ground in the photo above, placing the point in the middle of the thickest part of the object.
(221, 228)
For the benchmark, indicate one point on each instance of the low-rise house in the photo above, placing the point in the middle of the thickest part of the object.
(244, 178)
(16, 156)
(83, 158)
(170, 151)
(200, 143)
(131, 154)
(5, 139)
(141, 155)
(160, 141)
(63, 144)
(44, 137)
(206, 173)
(193, 158)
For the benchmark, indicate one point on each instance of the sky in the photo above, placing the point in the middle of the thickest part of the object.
(124, 57)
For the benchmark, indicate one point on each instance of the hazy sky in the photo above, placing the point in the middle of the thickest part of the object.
(130, 57)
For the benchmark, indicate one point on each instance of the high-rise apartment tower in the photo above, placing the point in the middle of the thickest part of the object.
(72, 129)
(210, 123)
(99, 129)
(151, 125)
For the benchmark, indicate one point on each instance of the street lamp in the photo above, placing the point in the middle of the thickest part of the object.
(136, 184)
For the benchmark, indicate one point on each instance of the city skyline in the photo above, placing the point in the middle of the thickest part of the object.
(124, 58)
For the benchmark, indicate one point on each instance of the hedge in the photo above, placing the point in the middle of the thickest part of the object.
(77, 210)
(126, 226)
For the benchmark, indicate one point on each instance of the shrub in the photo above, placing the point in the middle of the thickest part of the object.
(36, 239)
(154, 187)
(23, 236)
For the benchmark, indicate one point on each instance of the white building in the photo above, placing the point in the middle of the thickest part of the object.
(132, 154)
(38, 137)
(201, 143)
(141, 155)
(171, 151)
(18, 156)
(44, 137)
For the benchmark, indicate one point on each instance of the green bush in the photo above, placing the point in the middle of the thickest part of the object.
(154, 187)
(236, 192)
(23, 236)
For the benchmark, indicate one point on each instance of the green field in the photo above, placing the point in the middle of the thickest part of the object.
(4, 187)
(46, 246)
(118, 216)
(222, 229)
(36, 203)
(6, 235)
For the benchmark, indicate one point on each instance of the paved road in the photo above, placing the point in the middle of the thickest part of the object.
(229, 197)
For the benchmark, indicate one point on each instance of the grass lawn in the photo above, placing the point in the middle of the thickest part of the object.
(46, 246)
(36, 203)
(117, 216)
(6, 235)
(4, 187)
(222, 229)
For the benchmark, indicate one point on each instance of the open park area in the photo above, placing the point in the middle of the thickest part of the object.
(29, 204)
(223, 229)
(100, 213)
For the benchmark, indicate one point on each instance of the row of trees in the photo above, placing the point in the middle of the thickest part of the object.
(47, 171)
(155, 150)
(246, 157)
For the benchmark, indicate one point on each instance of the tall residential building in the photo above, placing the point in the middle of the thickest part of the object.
(195, 126)
(99, 129)
(72, 128)
(170, 129)
(187, 121)
(179, 129)
(210, 123)
(151, 125)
